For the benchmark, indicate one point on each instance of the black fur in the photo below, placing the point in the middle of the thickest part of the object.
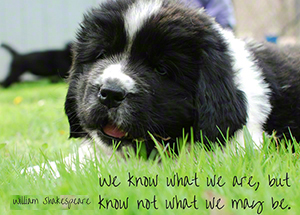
(281, 68)
(51, 63)
(184, 77)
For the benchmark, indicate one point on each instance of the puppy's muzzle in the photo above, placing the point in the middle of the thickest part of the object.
(111, 95)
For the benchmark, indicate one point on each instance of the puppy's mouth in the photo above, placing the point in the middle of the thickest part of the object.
(111, 131)
(114, 132)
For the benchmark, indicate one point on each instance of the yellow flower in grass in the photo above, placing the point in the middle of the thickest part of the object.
(62, 132)
(18, 100)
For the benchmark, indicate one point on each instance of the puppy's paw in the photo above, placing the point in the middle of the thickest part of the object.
(38, 170)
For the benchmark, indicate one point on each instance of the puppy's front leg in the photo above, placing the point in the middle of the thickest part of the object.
(85, 152)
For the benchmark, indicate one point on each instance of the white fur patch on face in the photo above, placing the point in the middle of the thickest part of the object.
(100, 145)
(138, 14)
(114, 72)
(104, 149)
(249, 79)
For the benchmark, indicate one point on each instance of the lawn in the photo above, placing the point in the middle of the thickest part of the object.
(33, 129)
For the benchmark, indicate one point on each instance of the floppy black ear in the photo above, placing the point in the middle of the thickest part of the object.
(76, 129)
(220, 105)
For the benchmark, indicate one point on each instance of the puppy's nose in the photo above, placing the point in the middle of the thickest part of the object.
(111, 96)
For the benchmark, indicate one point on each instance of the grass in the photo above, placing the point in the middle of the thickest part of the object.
(33, 128)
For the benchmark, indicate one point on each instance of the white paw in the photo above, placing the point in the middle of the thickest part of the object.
(37, 170)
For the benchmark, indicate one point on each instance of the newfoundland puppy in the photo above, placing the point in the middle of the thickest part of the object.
(144, 67)
(50, 63)
(156, 66)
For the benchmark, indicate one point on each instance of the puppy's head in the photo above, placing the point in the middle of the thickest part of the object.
(144, 66)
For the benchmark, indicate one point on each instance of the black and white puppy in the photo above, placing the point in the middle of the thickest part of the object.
(50, 63)
(156, 66)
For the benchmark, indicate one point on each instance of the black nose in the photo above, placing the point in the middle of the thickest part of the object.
(111, 96)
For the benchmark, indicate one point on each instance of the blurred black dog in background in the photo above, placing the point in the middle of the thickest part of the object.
(50, 63)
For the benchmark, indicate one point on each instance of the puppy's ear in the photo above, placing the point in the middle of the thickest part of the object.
(221, 108)
(76, 129)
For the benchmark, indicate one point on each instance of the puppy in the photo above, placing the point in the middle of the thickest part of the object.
(52, 63)
(155, 66)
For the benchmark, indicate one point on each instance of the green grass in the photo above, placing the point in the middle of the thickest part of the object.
(33, 127)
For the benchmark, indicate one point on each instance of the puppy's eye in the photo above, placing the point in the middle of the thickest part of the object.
(101, 55)
(161, 71)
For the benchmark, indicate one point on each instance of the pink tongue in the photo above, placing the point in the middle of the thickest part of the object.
(113, 131)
